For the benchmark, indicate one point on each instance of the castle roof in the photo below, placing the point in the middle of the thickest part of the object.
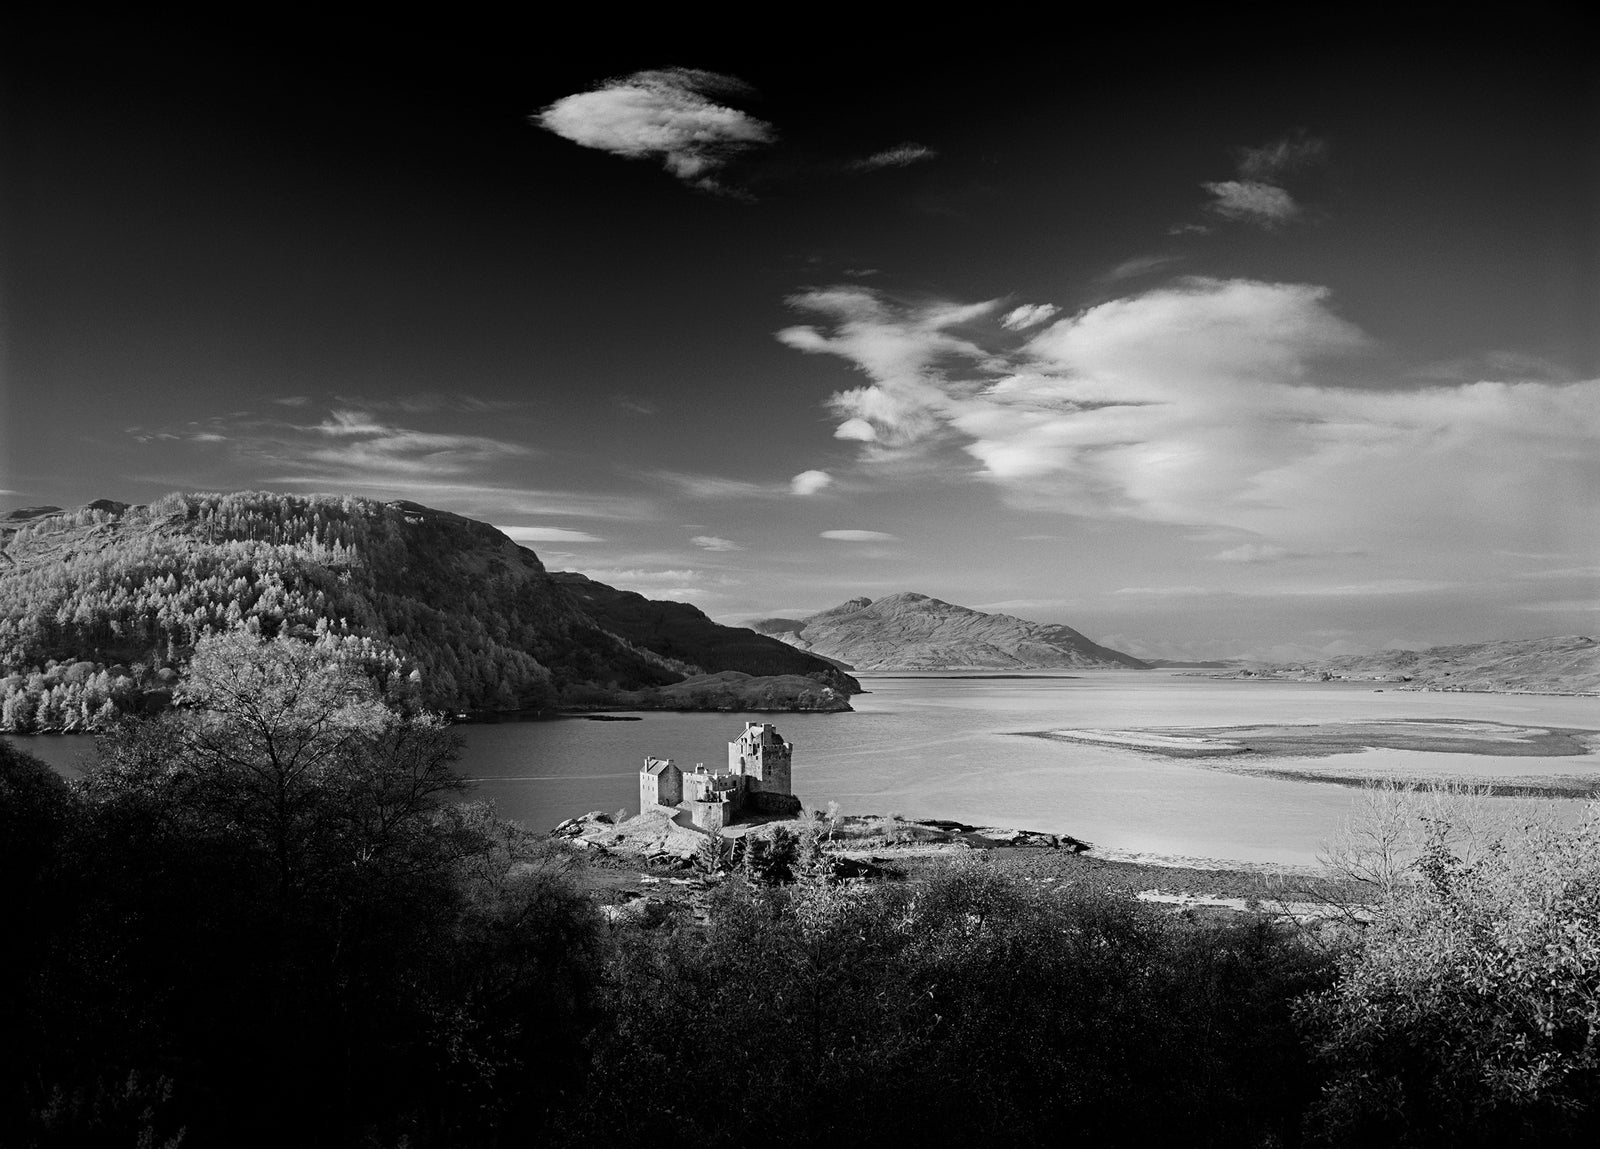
(658, 766)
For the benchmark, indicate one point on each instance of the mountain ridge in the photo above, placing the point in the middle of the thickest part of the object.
(913, 631)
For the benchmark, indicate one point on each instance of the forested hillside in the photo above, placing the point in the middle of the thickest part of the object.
(101, 606)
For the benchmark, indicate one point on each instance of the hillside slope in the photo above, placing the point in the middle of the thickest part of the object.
(1561, 665)
(909, 631)
(100, 606)
(681, 631)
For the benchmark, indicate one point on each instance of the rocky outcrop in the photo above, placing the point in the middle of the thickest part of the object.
(911, 631)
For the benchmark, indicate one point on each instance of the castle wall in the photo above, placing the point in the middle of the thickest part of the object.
(711, 816)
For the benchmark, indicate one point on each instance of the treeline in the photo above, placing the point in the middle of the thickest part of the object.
(473, 619)
(264, 919)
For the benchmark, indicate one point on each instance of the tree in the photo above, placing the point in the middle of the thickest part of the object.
(1470, 1014)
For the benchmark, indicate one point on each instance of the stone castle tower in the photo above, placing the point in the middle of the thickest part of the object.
(763, 757)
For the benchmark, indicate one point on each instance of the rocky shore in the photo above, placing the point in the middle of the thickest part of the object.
(644, 864)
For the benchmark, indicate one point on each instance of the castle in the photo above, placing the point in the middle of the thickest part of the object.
(757, 781)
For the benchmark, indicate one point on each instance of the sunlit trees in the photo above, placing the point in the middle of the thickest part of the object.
(1470, 1013)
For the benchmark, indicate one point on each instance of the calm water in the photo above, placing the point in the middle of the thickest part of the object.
(943, 747)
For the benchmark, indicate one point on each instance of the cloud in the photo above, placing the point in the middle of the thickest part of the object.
(719, 486)
(642, 407)
(1201, 404)
(366, 446)
(669, 114)
(547, 535)
(899, 156)
(809, 482)
(1141, 265)
(1252, 202)
(712, 543)
(1253, 553)
(1028, 315)
(1258, 196)
(905, 351)
(860, 536)
(1284, 157)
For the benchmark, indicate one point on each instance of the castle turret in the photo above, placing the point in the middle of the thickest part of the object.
(763, 757)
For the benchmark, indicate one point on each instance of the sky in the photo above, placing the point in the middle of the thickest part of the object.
(1210, 336)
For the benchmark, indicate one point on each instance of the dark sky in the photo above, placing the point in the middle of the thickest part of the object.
(1311, 367)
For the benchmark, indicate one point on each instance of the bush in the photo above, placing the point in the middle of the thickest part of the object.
(1470, 1015)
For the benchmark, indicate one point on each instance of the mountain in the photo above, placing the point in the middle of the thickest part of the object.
(1564, 665)
(100, 606)
(914, 632)
(682, 632)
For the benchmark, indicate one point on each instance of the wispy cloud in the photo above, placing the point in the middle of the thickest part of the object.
(1283, 157)
(1139, 265)
(634, 406)
(849, 536)
(899, 156)
(670, 114)
(547, 535)
(1028, 315)
(1199, 403)
(713, 543)
(364, 444)
(697, 486)
(1252, 202)
(1259, 195)
(904, 350)
(809, 482)
(1254, 553)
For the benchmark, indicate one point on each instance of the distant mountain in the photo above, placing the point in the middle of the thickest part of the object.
(100, 607)
(1565, 665)
(910, 631)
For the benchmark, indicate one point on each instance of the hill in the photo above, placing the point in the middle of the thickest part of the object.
(100, 606)
(682, 632)
(909, 631)
(1564, 665)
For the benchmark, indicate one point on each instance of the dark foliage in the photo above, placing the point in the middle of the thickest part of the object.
(974, 1011)
(263, 928)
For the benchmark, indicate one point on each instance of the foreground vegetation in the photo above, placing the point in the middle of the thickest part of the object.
(264, 920)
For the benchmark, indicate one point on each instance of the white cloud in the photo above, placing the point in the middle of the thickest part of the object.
(1200, 404)
(668, 115)
(860, 536)
(899, 156)
(1252, 202)
(905, 351)
(712, 543)
(1028, 315)
(547, 535)
(810, 482)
